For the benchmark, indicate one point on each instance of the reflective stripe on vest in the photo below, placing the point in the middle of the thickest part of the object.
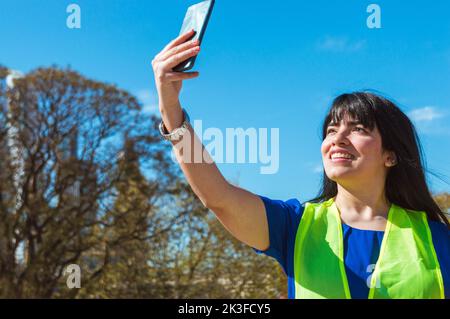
(407, 266)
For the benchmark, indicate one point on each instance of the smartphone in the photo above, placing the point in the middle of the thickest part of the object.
(197, 17)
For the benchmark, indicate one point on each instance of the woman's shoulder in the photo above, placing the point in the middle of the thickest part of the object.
(436, 226)
(441, 239)
(440, 229)
(292, 205)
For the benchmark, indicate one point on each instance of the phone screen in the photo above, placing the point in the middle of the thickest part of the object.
(197, 17)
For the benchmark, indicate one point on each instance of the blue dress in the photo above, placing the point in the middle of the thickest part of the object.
(361, 247)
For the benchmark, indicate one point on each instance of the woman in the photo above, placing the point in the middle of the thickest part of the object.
(373, 232)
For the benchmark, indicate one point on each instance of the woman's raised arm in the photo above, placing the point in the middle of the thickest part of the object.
(241, 212)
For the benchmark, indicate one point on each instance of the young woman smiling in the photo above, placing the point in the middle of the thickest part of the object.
(374, 231)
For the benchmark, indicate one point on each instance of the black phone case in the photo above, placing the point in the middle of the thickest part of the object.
(189, 63)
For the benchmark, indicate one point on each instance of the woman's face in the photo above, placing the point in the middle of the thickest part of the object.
(353, 153)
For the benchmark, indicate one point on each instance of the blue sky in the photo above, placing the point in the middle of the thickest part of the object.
(263, 64)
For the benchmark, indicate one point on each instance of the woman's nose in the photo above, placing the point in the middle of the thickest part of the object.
(340, 138)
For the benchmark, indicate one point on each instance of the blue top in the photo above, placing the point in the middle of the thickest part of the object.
(361, 247)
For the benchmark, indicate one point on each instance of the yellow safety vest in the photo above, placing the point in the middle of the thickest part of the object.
(407, 266)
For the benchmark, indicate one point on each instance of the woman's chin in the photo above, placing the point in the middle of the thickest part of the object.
(339, 173)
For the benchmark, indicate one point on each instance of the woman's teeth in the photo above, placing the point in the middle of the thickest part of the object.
(341, 155)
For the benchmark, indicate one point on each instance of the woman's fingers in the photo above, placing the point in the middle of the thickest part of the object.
(182, 38)
(178, 49)
(179, 76)
(173, 54)
(176, 59)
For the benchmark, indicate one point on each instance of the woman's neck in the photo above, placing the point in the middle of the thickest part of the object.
(362, 204)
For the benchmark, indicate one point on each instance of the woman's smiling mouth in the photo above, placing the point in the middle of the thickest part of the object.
(341, 157)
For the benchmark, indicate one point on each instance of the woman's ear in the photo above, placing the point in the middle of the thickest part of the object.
(391, 159)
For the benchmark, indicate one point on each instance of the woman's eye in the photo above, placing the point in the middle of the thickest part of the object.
(356, 128)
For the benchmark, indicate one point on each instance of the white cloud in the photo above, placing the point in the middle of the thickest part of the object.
(340, 44)
(430, 120)
(149, 101)
(425, 114)
(315, 168)
(318, 168)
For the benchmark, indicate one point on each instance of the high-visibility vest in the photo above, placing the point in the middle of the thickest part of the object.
(407, 266)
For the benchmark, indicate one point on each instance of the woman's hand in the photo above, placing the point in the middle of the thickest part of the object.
(168, 82)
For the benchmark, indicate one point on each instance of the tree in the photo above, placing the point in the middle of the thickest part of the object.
(205, 261)
(87, 180)
(443, 200)
(64, 152)
(128, 273)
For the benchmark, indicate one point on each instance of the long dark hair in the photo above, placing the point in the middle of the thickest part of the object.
(405, 182)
